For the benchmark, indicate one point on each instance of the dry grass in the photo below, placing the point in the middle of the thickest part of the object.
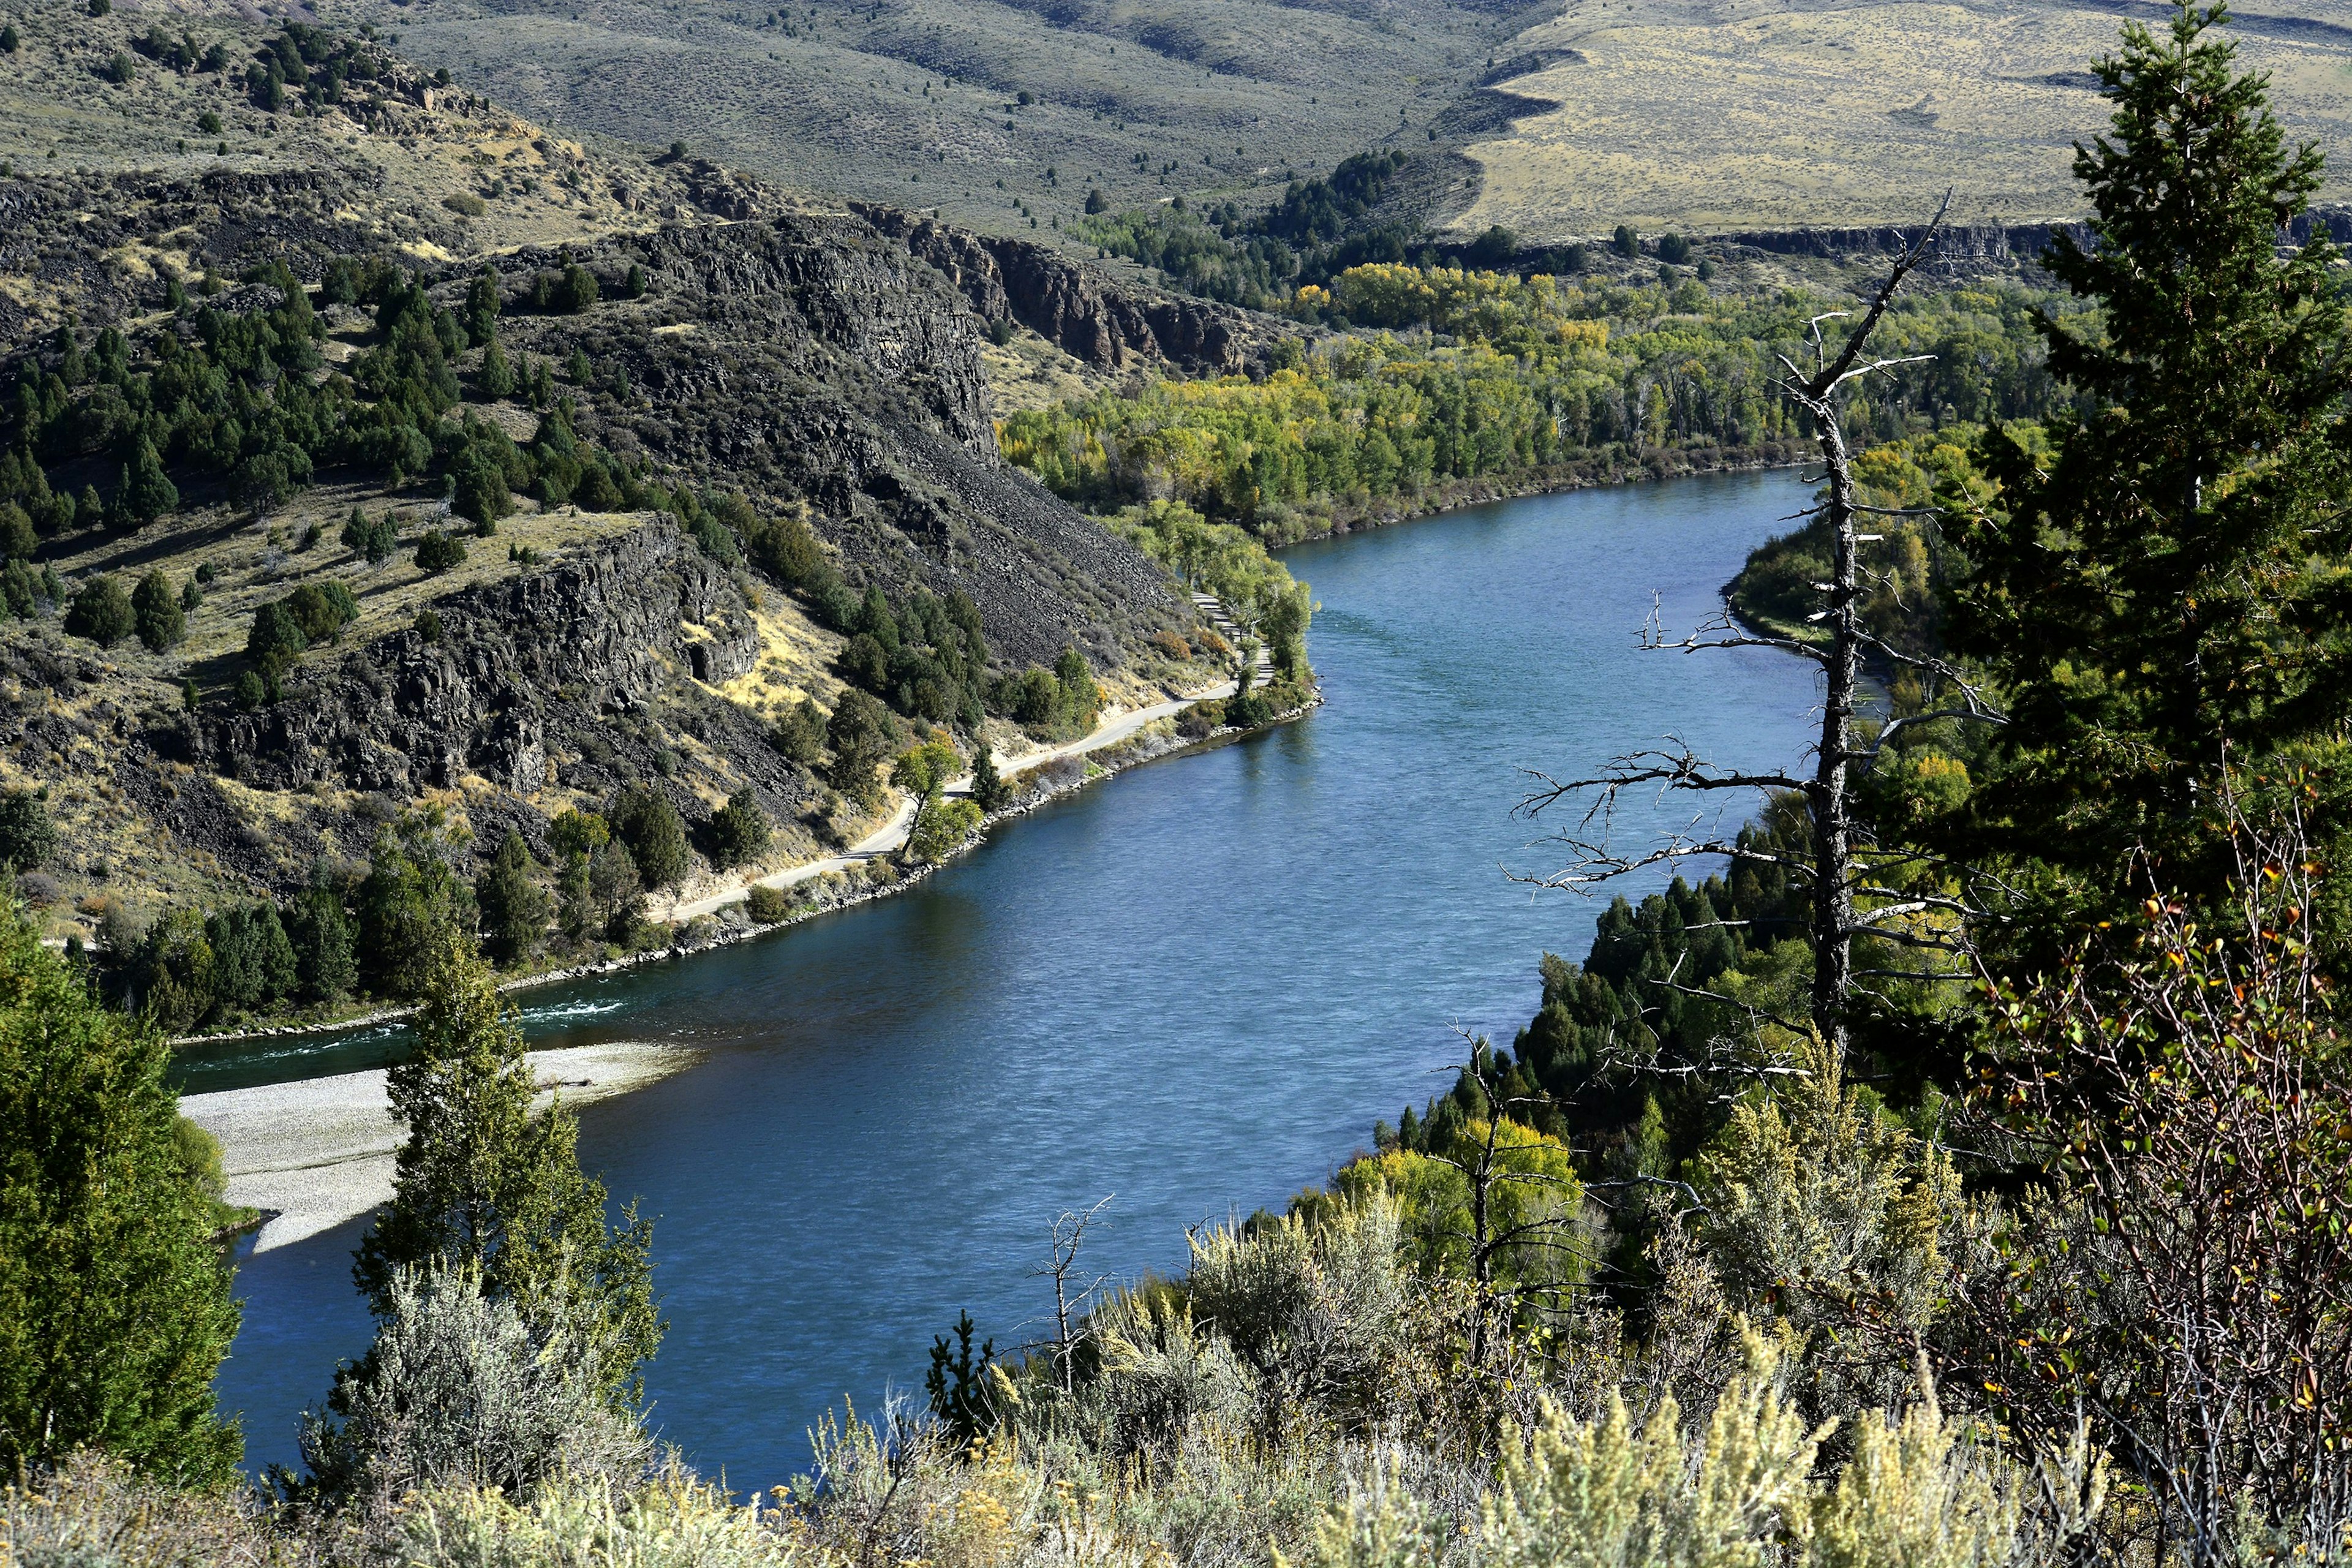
(1737, 115)
(916, 102)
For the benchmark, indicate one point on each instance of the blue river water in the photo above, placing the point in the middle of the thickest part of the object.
(1194, 986)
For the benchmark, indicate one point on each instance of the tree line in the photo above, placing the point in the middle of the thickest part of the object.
(1497, 377)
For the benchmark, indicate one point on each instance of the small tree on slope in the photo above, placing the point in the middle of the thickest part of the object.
(114, 1303)
(482, 1186)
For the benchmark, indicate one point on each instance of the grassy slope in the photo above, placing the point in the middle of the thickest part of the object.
(1698, 114)
(1236, 93)
(1721, 114)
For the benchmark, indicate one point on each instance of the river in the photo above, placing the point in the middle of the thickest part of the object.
(1194, 986)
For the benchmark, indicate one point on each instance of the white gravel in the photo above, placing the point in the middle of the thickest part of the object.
(319, 1151)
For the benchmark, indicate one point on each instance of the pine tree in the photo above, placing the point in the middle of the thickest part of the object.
(320, 934)
(482, 307)
(515, 908)
(495, 378)
(147, 490)
(114, 1304)
(482, 1184)
(2164, 581)
(155, 607)
(988, 787)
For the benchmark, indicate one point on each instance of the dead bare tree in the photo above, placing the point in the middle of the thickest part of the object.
(1070, 1305)
(1852, 894)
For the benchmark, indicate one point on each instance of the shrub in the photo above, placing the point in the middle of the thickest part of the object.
(460, 1390)
(800, 733)
(768, 905)
(645, 820)
(738, 830)
(101, 612)
(155, 606)
(26, 837)
(464, 203)
(437, 551)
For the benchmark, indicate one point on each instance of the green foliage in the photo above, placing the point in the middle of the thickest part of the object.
(957, 1383)
(319, 932)
(861, 733)
(738, 830)
(483, 1188)
(1538, 372)
(800, 733)
(1256, 589)
(496, 379)
(437, 551)
(155, 606)
(643, 818)
(2161, 583)
(114, 1305)
(375, 540)
(283, 629)
(768, 905)
(515, 908)
(464, 1389)
(27, 838)
(101, 612)
(414, 901)
(988, 788)
(1316, 229)
(568, 292)
(928, 658)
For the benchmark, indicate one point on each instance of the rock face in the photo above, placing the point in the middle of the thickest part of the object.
(519, 664)
(815, 358)
(1069, 306)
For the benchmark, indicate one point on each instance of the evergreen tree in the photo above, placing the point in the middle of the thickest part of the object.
(643, 819)
(495, 378)
(155, 607)
(2166, 580)
(480, 1184)
(738, 830)
(26, 837)
(114, 1303)
(515, 908)
(147, 492)
(411, 900)
(482, 307)
(101, 612)
(860, 732)
(988, 787)
(324, 969)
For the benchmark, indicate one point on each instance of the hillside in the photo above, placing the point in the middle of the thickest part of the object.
(1555, 121)
(1714, 115)
(1000, 113)
(690, 420)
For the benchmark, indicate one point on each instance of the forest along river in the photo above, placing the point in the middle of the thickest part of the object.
(1194, 986)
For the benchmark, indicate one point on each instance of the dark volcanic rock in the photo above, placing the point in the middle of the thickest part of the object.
(520, 662)
(815, 358)
(1072, 308)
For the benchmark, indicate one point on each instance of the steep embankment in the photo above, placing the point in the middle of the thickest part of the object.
(712, 336)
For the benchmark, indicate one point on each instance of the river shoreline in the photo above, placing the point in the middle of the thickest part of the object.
(1113, 759)
(1558, 478)
(312, 1154)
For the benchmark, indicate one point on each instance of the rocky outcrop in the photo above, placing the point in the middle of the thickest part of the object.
(815, 358)
(1074, 308)
(518, 664)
